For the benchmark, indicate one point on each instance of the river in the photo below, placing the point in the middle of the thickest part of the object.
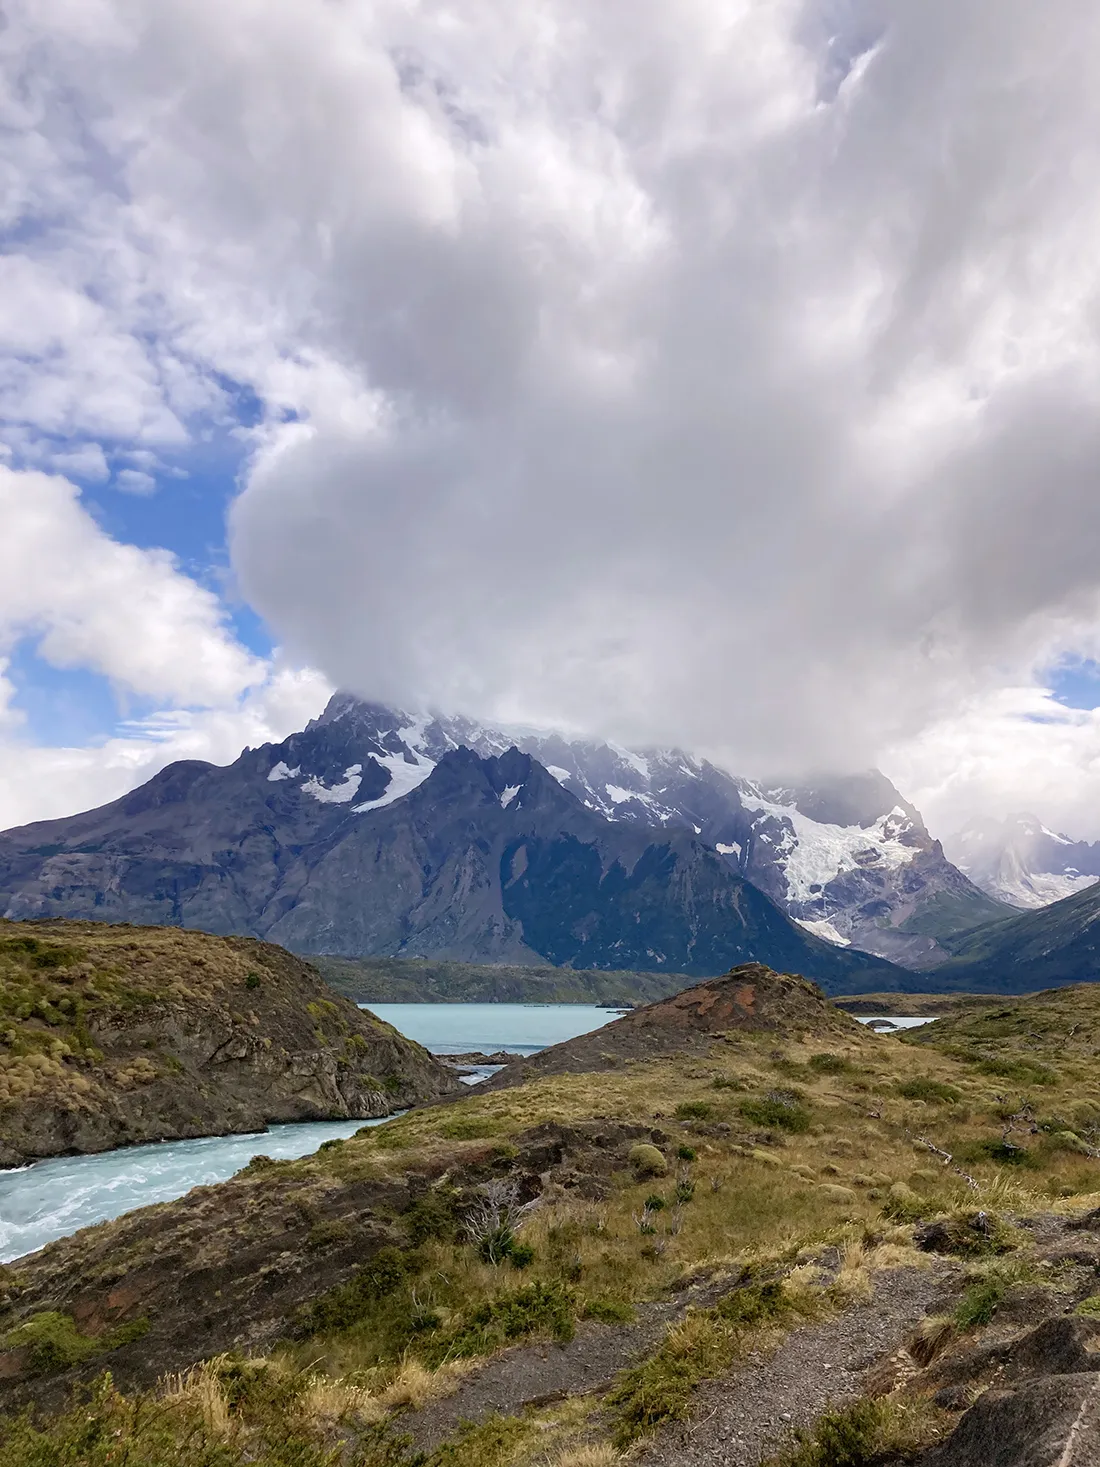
(54, 1198)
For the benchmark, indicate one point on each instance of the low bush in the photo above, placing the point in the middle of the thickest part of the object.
(646, 1161)
(778, 1108)
(830, 1064)
(923, 1087)
(537, 1308)
(348, 1303)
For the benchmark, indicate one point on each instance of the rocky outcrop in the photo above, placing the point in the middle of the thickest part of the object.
(113, 1035)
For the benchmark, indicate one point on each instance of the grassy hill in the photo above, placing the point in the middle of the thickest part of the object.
(111, 1035)
(689, 1210)
(1055, 945)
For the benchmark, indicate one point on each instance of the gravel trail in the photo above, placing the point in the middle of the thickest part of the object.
(740, 1420)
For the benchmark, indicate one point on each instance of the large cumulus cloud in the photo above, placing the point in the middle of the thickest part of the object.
(720, 373)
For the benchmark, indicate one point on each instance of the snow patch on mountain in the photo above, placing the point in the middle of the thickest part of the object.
(404, 778)
(822, 927)
(509, 795)
(281, 771)
(336, 794)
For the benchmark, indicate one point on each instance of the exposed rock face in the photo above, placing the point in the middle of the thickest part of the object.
(115, 1035)
(486, 858)
(1047, 1421)
(273, 844)
(749, 997)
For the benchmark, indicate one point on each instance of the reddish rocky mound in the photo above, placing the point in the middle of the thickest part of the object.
(747, 998)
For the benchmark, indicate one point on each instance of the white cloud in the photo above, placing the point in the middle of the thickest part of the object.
(92, 602)
(1013, 751)
(722, 374)
(135, 481)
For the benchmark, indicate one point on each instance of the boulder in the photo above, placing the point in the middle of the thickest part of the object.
(1050, 1421)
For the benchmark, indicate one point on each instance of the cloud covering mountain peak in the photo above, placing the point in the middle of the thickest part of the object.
(720, 376)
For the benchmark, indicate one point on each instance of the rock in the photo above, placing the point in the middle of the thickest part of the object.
(1053, 1421)
(963, 1234)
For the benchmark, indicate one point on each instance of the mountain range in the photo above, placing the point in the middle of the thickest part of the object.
(373, 832)
(1020, 861)
(485, 858)
(389, 806)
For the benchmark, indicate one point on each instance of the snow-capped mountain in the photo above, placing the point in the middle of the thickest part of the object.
(848, 858)
(1019, 860)
(347, 840)
(344, 838)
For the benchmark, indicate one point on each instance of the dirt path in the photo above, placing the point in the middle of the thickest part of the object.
(735, 1418)
(536, 1374)
(740, 1419)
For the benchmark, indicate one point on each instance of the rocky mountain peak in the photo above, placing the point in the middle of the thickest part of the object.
(1021, 861)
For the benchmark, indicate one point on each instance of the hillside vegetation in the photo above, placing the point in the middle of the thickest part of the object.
(428, 980)
(114, 1034)
(1059, 944)
(681, 1216)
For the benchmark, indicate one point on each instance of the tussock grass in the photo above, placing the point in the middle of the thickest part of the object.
(863, 1434)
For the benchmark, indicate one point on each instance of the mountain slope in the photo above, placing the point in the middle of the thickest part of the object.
(1020, 861)
(483, 860)
(1056, 945)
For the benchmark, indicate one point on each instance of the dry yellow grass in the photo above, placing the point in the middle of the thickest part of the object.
(590, 1456)
(201, 1388)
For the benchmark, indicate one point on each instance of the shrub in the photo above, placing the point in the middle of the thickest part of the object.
(609, 1310)
(686, 1153)
(646, 1161)
(537, 1308)
(694, 1110)
(655, 1202)
(1024, 1072)
(830, 1064)
(346, 1304)
(848, 1437)
(685, 1190)
(979, 1303)
(54, 1343)
(777, 1109)
(432, 1217)
(925, 1088)
(754, 1303)
(252, 981)
(904, 1205)
(973, 1234)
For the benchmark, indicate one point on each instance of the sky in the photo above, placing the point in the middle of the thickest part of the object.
(721, 375)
